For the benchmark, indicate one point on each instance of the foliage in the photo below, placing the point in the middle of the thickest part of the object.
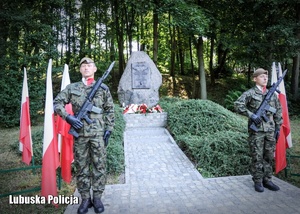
(214, 137)
(32, 32)
(28, 42)
(232, 96)
(115, 149)
(213, 153)
(199, 117)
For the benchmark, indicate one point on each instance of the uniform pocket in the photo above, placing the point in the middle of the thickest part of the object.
(77, 99)
(76, 92)
(255, 102)
(98, 99)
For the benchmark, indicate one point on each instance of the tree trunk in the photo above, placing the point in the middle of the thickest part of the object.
(296, 62)
(203, 90)
(119, 24)
(211, 60)
(180, 52)
(173, 47)
(192, 67)
(83, 35)
(142, 45)
(295, 77)
(155, 36)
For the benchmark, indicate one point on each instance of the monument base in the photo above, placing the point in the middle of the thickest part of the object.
(146, 120)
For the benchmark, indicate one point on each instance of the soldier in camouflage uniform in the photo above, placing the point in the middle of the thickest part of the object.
(262, 143)
(90, 146)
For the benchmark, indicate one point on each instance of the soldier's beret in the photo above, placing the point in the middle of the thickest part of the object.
(86, 60)
(259, 71)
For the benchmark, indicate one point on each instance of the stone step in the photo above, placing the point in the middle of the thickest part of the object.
(149, 135)
(145, 120)
(142, 131)
(152, 139)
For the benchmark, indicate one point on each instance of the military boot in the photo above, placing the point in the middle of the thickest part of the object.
(258, 187)
(98, 206)
(271, 186)
(84, 206)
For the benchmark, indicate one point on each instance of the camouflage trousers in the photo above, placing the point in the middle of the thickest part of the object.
(262, 146)
(90, 163)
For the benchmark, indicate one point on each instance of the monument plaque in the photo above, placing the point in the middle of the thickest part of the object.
(140, 75)
(140, 81)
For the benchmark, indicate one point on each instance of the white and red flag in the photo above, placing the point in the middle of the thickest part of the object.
(285, 138)
(64, 138)
(25, 125)
(50, 152)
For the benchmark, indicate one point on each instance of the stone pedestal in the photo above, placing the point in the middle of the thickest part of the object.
(146, 120)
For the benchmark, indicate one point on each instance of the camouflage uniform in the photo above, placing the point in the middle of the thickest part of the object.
(89, 149)
(262, 143)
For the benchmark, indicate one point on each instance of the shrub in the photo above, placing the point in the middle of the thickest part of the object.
(198, 117)
(214, 138)
(115, 148)
(224, 153)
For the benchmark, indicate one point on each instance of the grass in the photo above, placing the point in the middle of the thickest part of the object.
(23, 180)
(292, 173)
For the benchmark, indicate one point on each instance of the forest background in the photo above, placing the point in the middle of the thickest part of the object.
(208, 41)
(204, 49)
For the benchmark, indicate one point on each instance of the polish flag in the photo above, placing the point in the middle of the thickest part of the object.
(50, 152)
(65, 140)
(285, 139)
(25, 125)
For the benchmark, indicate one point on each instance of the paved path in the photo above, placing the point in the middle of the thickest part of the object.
(161, 179)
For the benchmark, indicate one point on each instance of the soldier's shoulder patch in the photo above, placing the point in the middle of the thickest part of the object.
(75, 84)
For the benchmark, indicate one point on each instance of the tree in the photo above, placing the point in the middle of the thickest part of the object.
(25, 43)
(296, 59)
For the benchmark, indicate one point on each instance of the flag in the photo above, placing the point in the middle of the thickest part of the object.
(285, 113)
(25, 125)
(284, 140)
(50, 152)
(65, 140)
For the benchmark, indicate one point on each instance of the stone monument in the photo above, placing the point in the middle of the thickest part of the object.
(140, 81)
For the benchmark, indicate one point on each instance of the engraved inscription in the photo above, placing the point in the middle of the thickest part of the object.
(140, 75)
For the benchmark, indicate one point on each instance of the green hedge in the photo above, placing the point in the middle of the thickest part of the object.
(115, 148)
(214, 138)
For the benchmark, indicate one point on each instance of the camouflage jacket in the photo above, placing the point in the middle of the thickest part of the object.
(76, 94)
(250, 101)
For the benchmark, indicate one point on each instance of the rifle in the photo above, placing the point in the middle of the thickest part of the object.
(87, 106)
(264, 106)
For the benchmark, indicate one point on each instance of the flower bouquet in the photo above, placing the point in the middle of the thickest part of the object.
(141, 109)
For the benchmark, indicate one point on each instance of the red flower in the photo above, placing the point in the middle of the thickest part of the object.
(158, 108)
(143, 108)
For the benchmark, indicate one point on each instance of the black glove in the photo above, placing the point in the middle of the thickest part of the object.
(255, 119)
(73, 121)
(276, 134)
(106, 136)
